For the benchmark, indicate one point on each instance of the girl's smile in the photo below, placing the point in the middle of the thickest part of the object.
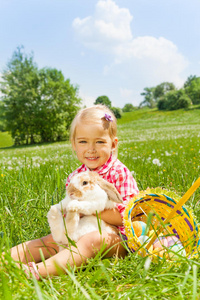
(93, 145)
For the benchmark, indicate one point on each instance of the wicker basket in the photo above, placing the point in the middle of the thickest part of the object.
(157, 210)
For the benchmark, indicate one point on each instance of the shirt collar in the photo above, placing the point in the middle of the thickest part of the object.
(103, 169)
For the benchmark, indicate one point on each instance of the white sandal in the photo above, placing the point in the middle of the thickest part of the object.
(31, 268)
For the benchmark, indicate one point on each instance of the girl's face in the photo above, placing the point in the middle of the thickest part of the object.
(93, 145)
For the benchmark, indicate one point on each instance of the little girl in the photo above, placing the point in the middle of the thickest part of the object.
(93, 138)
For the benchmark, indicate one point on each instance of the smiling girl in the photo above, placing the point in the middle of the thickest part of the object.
(94, 139)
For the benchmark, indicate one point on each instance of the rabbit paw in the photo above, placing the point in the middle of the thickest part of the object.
(73, 206)
(54, 212)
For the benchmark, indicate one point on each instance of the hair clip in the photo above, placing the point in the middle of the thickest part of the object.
(108, 117)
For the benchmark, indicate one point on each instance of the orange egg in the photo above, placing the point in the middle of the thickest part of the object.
(139, 228)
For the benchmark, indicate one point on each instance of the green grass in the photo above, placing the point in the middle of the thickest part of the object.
(33, 178)
(5, 140)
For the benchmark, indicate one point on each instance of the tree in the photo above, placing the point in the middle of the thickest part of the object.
(154, 94)
(192, 88)
(38, 104)
(19, 95)
(174, 100)
(103, 100)
(128, 107)
(148, 98)
(189, 81)
(2, 119)
(162, 89)
(58, 105)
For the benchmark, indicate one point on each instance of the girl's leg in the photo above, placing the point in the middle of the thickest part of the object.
(87, 247)
(30, 251)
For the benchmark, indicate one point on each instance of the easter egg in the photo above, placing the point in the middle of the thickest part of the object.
(139, 228)
(178, 248)
(160, 242)
(143, 239)
(172, 240)
(160, 252)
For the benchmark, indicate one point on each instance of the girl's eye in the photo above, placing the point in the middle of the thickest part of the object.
(85, 182)
(82, 142)
(100, 142)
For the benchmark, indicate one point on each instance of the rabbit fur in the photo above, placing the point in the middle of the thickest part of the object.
(86, 194)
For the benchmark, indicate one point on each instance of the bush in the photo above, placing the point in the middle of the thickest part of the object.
(117, 112)
(128, 107)
(174, 100)
(183, 102)
(162, 104)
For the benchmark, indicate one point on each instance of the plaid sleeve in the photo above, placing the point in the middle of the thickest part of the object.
(126, 186)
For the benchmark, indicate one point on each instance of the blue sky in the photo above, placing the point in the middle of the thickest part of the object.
(107, 47)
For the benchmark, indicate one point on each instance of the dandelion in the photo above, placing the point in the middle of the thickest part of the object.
(167, 153)
(156, 162)
(147, 263)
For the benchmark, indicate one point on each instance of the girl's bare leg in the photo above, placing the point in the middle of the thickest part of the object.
(29, 251)
(87, 247)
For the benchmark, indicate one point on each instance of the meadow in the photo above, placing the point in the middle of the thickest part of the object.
(161, 149)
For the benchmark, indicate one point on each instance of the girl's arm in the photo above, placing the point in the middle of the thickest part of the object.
(111, 216)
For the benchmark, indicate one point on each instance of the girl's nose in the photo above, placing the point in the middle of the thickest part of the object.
(92, 148)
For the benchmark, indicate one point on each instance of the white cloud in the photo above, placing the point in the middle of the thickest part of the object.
(129, 96)
(88, 100)
(109, 26)
(126, 92)
(153, 60)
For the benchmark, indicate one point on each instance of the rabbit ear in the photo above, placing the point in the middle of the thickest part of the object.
(109, 188)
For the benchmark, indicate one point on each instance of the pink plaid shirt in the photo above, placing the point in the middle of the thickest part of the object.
(118, 174)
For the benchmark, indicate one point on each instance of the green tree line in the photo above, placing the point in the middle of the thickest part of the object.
(37, 105)
(165, 96)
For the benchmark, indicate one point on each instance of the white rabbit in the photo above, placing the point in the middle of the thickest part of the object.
(86, 194)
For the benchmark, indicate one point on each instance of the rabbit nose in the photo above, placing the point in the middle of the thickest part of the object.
(72, 196)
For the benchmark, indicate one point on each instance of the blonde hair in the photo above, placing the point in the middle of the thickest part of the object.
(95, 115)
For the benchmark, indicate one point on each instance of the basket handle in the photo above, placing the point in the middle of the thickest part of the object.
(181, 202)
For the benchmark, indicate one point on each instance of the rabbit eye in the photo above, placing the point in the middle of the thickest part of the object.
(85, 182)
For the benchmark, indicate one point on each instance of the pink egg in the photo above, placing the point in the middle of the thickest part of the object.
(172, 240)
(160, 242)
